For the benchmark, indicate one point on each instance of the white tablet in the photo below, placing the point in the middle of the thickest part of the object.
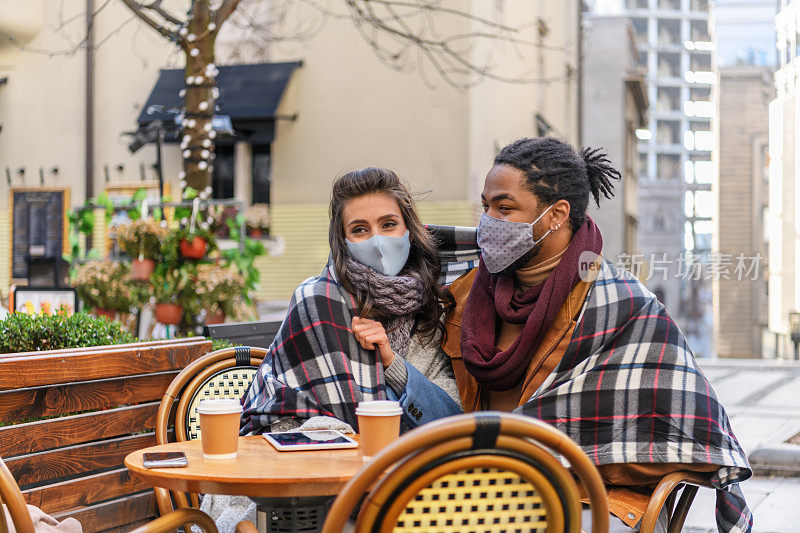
(310, 440)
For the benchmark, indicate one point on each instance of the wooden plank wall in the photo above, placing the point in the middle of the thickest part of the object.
(73, 416)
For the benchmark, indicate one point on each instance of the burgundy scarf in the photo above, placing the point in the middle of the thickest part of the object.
(494, 295)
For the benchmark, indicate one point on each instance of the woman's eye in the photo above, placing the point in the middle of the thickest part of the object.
(357, 230)
(390, 224)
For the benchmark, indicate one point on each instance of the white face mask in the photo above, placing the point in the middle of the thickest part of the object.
(386, 255)
(502, 242)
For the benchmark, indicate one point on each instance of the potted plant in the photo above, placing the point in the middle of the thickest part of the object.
(141, 239)
(194, 243)
(169, 287)
(217, 288)
(105, 286)
(257, 218)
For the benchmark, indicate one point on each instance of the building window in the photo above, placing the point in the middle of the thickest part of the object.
(644, 172)
(261, 173)
(669, 166)
(700, 94)
(699, 5)
(669, 65)
(659, 224)
(640, 30)
(700, 62)
(669, 5)
(222, 179)
(669, 32)
(668, 132)
(699, 31)
(669, 99)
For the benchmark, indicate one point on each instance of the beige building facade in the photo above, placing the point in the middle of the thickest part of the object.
(343, 109)
(784, 181)
(742, 192)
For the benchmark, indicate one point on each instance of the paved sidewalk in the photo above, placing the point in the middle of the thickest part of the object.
(763, 402)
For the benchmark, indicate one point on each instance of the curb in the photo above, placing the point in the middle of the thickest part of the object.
(777, 459)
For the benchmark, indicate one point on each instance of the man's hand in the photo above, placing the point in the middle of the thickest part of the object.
(371, 335)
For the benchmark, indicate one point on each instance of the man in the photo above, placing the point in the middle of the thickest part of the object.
(546, 327)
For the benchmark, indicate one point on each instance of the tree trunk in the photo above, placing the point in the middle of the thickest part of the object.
(197, 133)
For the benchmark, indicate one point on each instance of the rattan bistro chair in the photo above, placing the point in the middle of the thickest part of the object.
(666, 493)
(482, 472)
(224, 373)
(11, 497)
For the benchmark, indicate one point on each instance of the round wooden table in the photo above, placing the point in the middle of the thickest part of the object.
(259, 470)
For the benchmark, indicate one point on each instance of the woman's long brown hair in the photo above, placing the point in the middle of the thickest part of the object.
(423, 258)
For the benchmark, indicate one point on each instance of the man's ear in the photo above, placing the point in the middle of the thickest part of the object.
(560, 216)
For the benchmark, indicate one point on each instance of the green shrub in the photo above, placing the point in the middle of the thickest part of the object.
(20, 332)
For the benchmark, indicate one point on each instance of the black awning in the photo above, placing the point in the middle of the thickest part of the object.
(248, 94)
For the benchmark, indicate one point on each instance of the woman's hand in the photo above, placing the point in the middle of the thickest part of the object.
(371, 335)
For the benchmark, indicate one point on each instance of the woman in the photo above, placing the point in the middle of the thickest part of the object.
(369, 327)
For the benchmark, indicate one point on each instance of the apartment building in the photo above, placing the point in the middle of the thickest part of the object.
(676, 171)
(783, 214)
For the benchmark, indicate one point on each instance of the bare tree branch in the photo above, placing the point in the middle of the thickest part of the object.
(224, 11)
(139, 10)
(166, 15)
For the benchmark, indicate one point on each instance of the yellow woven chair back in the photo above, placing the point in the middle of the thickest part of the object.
(229, 383)
(475, 499)
(483, 473)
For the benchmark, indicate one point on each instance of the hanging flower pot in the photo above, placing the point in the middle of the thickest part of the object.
(108, 313)
(193, 247)
(217, 317)
(169, 314)
(142, 269)
(256, 233)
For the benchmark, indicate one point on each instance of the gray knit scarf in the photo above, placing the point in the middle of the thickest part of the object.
(397, 296)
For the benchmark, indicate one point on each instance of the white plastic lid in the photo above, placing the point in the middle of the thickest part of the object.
(219, 407)
(379, 408)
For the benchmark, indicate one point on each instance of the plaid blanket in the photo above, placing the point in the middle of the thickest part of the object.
(314, 366)
(628, 390)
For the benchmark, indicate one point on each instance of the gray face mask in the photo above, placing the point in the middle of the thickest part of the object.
(502, 242)
(386, 255)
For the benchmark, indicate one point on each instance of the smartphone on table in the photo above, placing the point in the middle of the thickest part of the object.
(164, 460)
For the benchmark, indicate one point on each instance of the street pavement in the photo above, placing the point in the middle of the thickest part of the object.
(763, 402)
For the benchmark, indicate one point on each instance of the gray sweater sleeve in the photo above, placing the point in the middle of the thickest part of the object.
(431, 361)
(397, 375)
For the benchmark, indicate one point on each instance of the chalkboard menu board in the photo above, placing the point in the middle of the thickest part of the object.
(37, 226)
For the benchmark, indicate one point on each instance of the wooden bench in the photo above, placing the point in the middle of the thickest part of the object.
(73, 415)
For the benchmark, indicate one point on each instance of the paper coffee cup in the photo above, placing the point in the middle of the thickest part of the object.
(219, 428)
(378, 425)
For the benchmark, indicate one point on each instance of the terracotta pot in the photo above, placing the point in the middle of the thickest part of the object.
(195, 249)
(256, 233)
(108, 313)
(142, 269)
(169, 314)
(217, 317)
